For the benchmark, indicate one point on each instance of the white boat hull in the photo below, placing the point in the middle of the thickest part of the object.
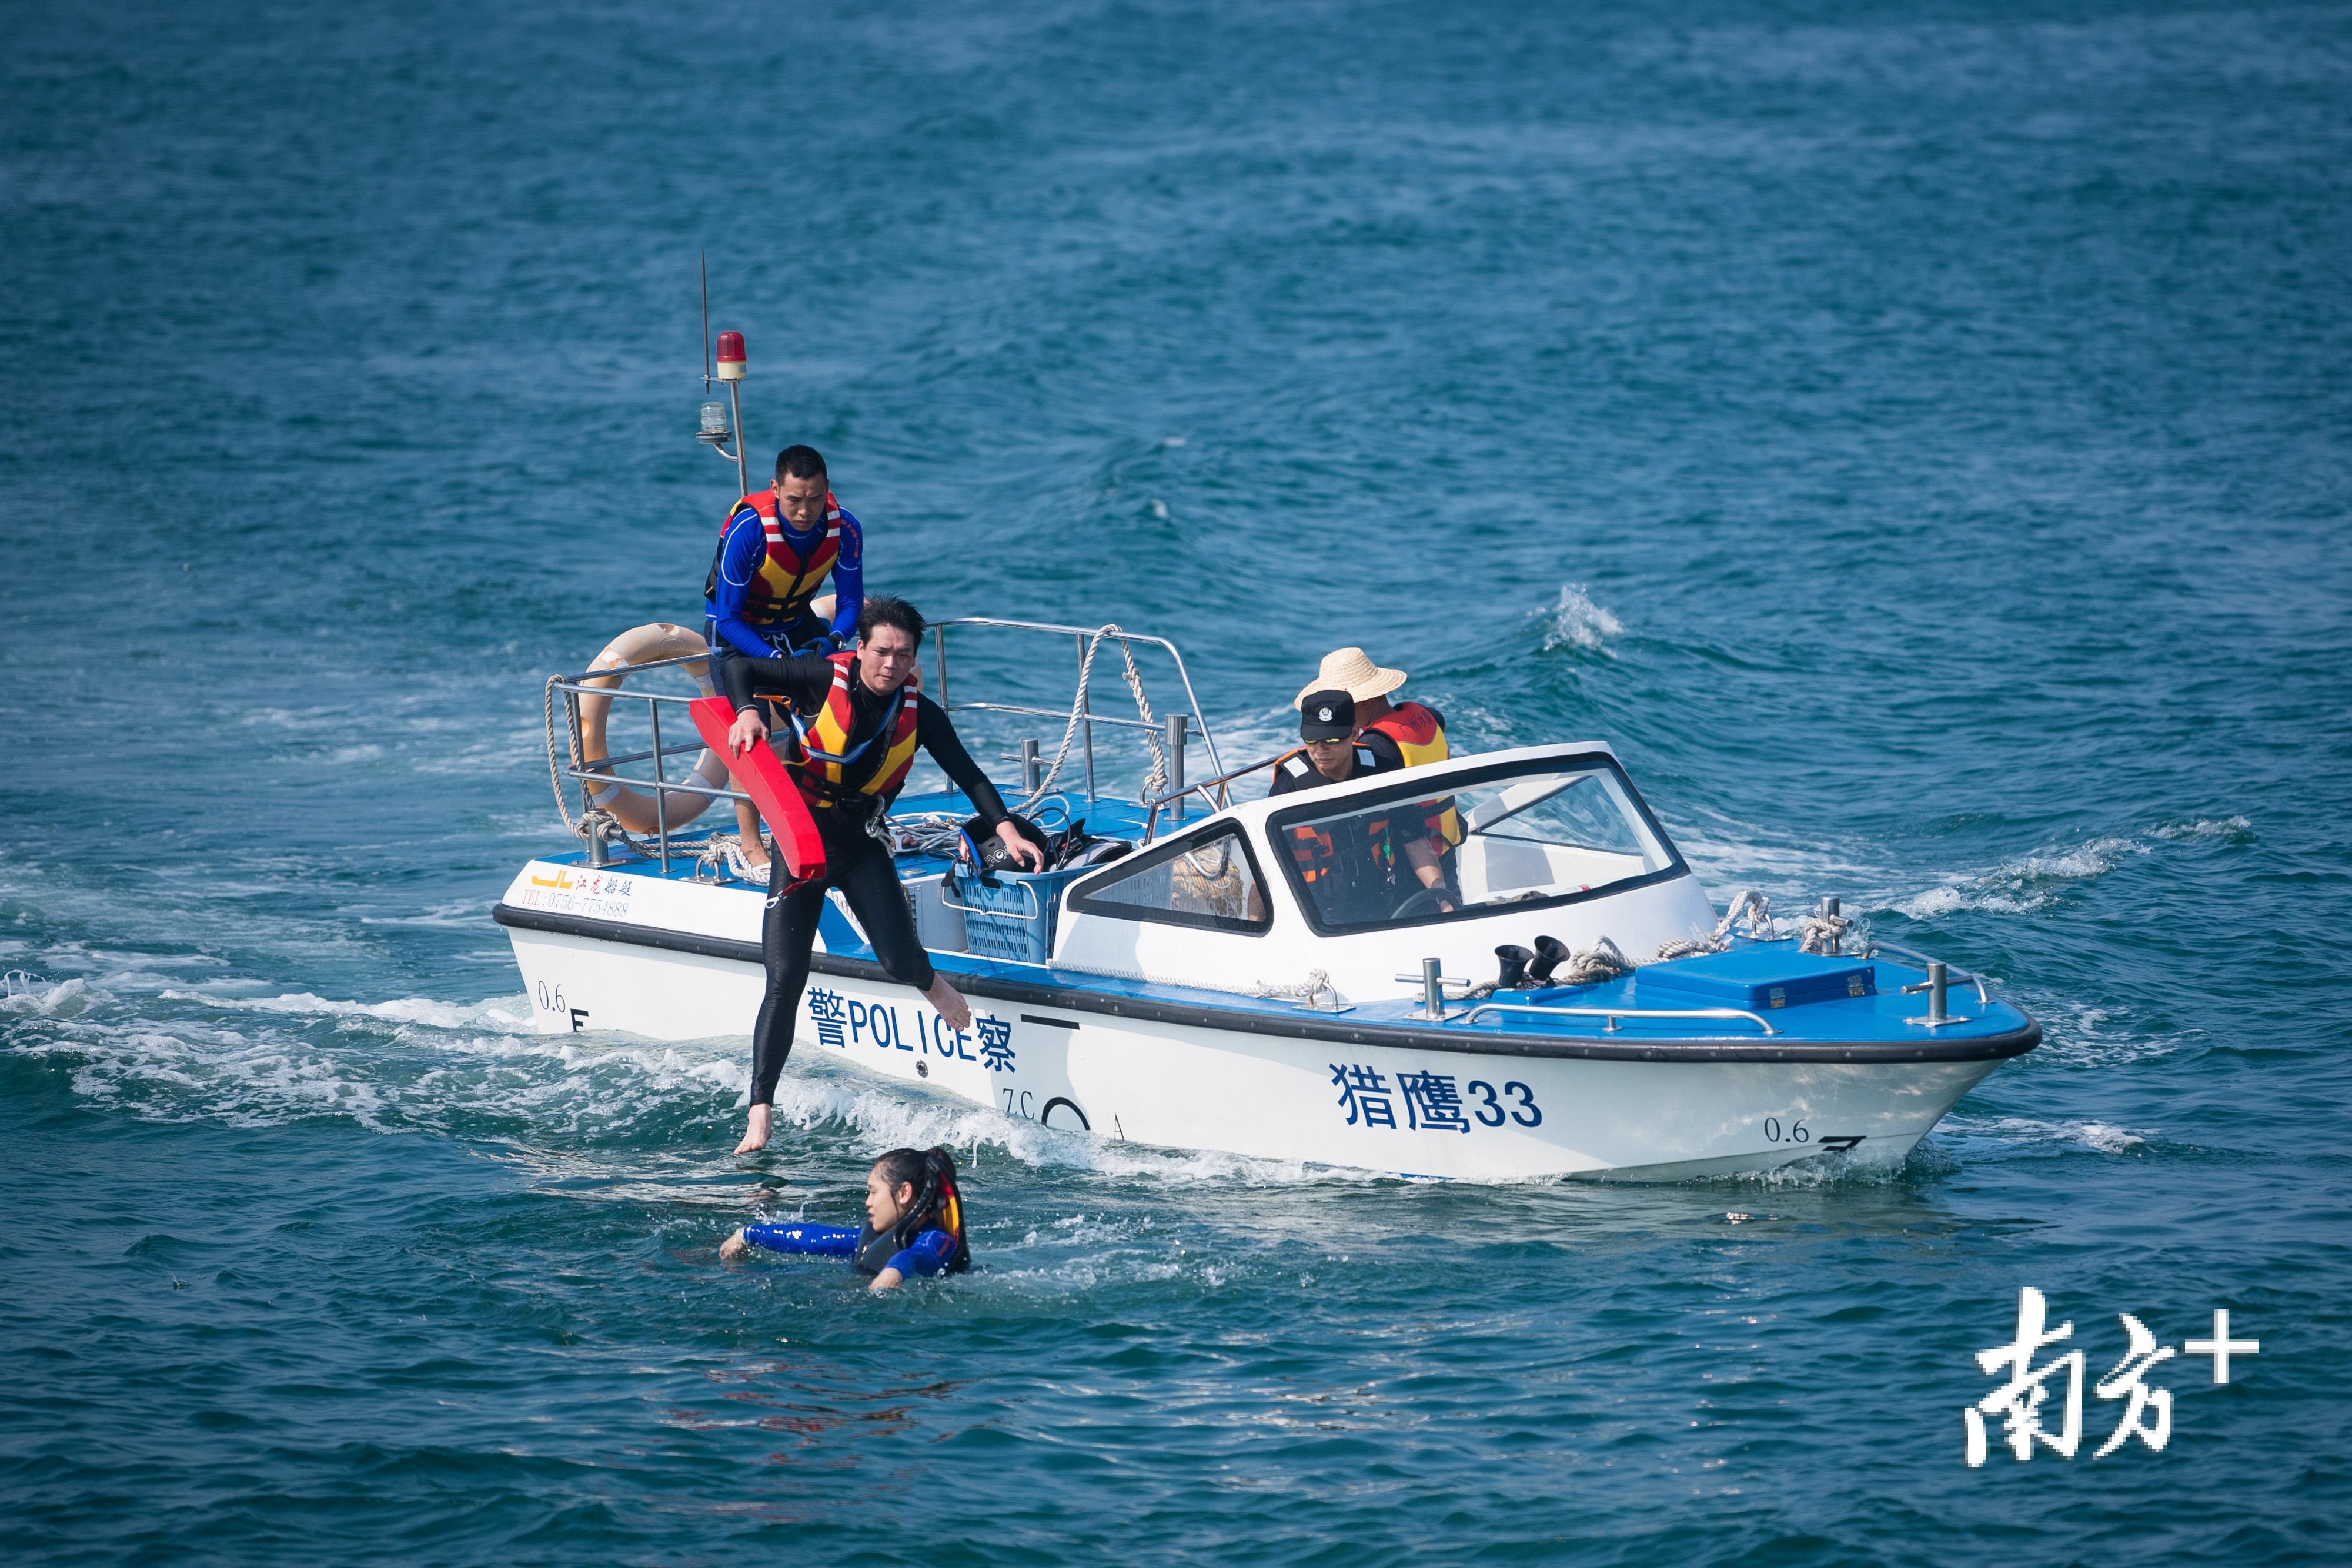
(1184, 1087)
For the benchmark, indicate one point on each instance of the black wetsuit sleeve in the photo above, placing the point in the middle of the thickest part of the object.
(937, 733)
(805, 678)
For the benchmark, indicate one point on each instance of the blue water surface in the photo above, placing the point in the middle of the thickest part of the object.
(1918, 436)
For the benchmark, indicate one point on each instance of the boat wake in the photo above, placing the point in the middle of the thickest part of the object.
(1980, 1139)
(471, 1070)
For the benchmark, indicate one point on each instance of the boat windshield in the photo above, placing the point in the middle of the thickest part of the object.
(1544, 832)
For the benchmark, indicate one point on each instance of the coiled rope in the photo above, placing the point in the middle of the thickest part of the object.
(1154, 781)
(1602, 961)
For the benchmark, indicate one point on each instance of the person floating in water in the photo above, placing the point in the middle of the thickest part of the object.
(914, 1224)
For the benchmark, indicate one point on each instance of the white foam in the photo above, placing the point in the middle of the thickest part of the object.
(2205, 827)
(2023, 884)
(1866, 1161)
(464, 914)
(886, 1116)
(2107, 1139)
(2028, 1131)
(1575, 621)
(495, 1012)
(35, 998)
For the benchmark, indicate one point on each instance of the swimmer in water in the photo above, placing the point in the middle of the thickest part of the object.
(914, 1224)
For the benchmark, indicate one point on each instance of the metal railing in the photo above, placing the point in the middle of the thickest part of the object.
(607, 770)
(1170, 726)
(1984, 998)
(1613, 1014)
(1178, 789)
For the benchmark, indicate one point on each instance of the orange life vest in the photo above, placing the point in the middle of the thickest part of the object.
(787, 580)
(1311, 847)
(830, 769)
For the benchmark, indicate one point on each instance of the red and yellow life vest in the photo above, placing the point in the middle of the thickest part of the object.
(787, 580)
(829, 769)
(1418, 736)
(1419, 739)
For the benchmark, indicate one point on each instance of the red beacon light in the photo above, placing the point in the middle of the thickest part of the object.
(731, 367)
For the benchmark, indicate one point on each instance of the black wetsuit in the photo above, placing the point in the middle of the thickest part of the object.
(853, 861)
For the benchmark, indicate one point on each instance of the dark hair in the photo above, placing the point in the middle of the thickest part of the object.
(888, 610)
(938, 1202)
(799, 462)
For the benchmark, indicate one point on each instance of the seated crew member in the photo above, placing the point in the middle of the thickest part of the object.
(1399, 734)
(1359, 856)
(1406, 731)
(914, 1224)
(776, 550)
(1331, 754)
(858, 719)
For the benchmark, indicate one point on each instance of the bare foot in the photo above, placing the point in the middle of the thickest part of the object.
(734, 1247)
(950, 1003)
(755, 1131)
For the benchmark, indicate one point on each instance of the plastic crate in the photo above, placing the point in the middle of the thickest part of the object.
(1008, 915)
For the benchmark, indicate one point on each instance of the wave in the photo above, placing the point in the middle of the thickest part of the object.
(475, 1070)
(2027, 1134)
(2022, 884)
(2234, 830)
(28, 995)
(2032, 882)
(1576, 620)
(1866, 1165)
(508, 1012)
(889, 1116)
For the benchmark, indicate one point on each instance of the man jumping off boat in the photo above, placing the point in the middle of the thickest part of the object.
(776, 550)
(856, 719)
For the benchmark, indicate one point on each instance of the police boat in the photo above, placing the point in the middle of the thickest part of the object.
(1203, 970)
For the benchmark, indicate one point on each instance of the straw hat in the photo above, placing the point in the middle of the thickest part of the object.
(1348, 670)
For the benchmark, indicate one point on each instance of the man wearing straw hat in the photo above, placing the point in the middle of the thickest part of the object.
(1401, 735)
(1398, 734)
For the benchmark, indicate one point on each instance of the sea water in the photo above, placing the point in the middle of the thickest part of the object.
(1916, 436)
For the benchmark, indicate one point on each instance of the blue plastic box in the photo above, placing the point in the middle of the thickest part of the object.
(1008, 915)
(1760, 978)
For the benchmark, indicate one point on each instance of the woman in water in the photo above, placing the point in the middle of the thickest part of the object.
(914, 1224)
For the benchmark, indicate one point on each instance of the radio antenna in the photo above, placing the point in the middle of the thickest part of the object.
(706, 321)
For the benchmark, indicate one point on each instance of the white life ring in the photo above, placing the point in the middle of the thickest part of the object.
(645, 645)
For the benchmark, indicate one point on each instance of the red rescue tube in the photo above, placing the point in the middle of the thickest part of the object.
(759, 773)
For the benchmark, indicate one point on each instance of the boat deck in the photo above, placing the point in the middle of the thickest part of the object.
(1875, 1026)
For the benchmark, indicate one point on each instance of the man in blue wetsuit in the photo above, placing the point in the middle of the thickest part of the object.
(776, 550)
